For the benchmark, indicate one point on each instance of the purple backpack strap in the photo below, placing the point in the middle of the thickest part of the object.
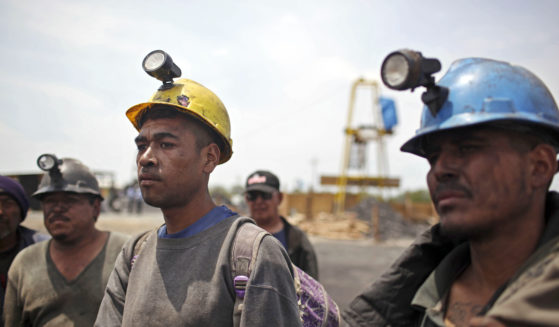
(243, 257)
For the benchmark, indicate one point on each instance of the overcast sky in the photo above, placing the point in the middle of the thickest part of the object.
(283, 69)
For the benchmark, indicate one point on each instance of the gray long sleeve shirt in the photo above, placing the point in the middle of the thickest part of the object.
(188, 282)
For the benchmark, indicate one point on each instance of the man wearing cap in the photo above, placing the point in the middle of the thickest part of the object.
(491, 138)
(263, 196)
(13, 236)
(182, 273)
(61, 282)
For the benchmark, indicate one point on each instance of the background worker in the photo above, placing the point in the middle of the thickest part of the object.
(61, 282)
(13, 236)
(263, 196)
(181, 274)
(490, 134)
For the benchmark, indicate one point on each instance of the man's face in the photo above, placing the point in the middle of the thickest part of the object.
(10, 215)
(69, 217)
(171, 170)
(263, 206)
(477, 181)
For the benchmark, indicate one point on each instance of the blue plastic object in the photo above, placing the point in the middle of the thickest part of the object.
(389, 117)
(485, 90)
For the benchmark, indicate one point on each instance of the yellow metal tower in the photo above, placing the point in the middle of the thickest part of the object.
(359, 136)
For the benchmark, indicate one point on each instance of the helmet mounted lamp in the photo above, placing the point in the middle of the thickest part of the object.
(50, 163)
(160, 65)
(407, 69)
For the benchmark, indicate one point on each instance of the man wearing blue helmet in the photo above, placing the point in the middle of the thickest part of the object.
(489, 131)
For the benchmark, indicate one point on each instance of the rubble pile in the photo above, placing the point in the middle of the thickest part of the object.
(347, 227)
(359, 223)
(391, 224)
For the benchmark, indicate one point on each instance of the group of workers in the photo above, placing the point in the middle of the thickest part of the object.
(490, 134)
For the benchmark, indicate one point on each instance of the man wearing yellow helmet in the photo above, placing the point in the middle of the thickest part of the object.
(182, 274)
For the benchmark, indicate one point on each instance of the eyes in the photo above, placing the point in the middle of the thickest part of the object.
(142, 146)
(461, 150)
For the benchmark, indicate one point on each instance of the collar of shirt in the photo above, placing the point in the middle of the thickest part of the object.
(282, 237)
(432, 293)
(210, 219)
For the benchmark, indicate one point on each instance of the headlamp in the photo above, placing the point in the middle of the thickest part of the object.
(50, 163)
(407, 69)
(160, 65)
(47, 162)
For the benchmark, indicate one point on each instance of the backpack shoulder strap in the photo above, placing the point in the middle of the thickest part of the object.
(243, 257)
(139, 245)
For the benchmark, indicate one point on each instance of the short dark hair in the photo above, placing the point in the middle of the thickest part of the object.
(204, 135)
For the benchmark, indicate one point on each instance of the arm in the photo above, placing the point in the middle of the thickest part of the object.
(112, 306)
(387, 300)
(13, 306)
(309, 264)
(270, 297)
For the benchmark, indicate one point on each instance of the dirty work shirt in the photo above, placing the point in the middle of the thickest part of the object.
(188, 282)
(38, 295)
(26, 237)
(530, 298)
(425, 271)
(300, 249)
(213, 217)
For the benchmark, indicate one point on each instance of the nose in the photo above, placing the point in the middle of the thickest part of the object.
(146, 158)
(445, 167)
(259, 198)
(58, 205)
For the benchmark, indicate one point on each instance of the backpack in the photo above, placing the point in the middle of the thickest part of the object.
(316, 307)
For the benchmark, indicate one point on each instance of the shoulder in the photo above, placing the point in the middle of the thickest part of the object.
(116, 241)
(31, 236)
(534, 290)
(292, 228)
(297, 238)
(32, 256)
(118, 238)
(246, 231)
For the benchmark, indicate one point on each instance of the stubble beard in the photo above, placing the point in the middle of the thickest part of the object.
(463, 231)
(4, 234)
(6, 230)
(166, 200)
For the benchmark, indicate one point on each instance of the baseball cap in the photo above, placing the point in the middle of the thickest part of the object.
(15, 190)
(263, 181)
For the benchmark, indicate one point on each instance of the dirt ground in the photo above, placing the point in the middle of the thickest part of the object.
(346, 266)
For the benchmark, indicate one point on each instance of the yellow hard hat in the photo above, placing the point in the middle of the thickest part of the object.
(196, 100)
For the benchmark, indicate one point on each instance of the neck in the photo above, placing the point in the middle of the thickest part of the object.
(273, 226)
(78, 244)
(179, 218)
(495, 260)
(9, 241)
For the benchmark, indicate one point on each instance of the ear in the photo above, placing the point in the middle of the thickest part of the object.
(280, 197)
(211, 154)
(543, 165)
(96, 208)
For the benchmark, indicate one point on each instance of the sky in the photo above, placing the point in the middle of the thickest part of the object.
(284, 69)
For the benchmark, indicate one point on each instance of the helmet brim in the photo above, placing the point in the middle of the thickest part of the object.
(134, 112)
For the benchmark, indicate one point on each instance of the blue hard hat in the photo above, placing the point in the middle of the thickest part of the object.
(483, 91)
